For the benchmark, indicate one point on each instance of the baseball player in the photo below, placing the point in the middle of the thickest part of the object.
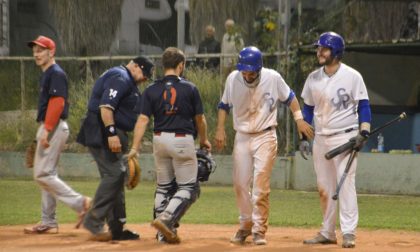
(336, 99)
(178, 115)
(112, 112)
(51, 137)
(252, 92)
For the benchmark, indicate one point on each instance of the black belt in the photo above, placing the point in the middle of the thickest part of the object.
(343, 131)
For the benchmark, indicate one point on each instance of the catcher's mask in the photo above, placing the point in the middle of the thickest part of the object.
(206, 165)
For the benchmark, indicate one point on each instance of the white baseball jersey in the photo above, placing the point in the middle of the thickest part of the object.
(335, 99)
(255, 109)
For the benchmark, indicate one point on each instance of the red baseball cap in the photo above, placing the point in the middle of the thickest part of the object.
(44, 42)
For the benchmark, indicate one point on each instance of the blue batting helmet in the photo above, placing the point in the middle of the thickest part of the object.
(333, 41)
(250, 59)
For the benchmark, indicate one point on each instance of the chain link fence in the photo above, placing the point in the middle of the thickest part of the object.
(19, 82)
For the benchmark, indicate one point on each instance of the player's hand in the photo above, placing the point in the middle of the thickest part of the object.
(44, 138)
(360, 140)
(132, 153)
(305, 129)
(206, 145)
(304, 149)
(220, 139)
(114, 144)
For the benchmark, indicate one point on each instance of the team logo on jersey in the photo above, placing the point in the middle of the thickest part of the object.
(343, 99)
(269, 100)
(169, 98)
(112, 93)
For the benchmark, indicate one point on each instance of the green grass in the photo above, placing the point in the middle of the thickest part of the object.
(20, 204)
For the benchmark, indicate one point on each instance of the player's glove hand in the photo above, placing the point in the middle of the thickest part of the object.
(304, 149)
(30, 154)
(133, 172)
(360, 140)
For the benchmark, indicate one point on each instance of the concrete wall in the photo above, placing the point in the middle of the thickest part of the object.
(377, 172)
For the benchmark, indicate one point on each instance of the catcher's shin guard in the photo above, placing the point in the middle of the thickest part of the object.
(182, 200)
(163, 194)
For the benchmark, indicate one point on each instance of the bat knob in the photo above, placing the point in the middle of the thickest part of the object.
(335, 197)
(403, 115)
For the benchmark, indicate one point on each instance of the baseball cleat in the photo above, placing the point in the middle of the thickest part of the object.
(349, 241)
(259, 239)
(41, 229)
(162, 224)
(240, 236)
(320, 239)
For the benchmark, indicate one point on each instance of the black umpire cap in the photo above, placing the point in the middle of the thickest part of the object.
(146, 66)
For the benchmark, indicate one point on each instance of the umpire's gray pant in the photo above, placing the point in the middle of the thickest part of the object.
(109, 201)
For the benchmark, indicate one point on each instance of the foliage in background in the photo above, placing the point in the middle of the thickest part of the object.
(86, 27)
(266, 30)
(18, 130)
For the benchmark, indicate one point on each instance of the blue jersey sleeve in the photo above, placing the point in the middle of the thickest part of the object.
(364, 111)
(58, 84)
(308, 113)
(115, 88)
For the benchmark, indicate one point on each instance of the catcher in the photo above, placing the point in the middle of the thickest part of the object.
(178, 115)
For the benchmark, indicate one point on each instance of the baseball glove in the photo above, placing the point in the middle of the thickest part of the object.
(30, 155)
(133, 173)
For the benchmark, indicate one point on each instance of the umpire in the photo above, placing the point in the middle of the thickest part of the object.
(112, 111)
(178, 117)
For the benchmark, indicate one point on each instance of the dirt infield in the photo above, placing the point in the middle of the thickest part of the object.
(200, 238)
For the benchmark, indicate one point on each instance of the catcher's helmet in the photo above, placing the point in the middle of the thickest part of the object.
(333, 41)
(206, 165)
(250, 59)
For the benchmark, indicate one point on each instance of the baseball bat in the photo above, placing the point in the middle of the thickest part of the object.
(349, 145)
(343, 177)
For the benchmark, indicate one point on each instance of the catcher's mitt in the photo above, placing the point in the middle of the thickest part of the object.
(133, 173)
(30, 155)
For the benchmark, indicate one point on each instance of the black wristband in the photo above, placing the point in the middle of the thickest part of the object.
(110, 130)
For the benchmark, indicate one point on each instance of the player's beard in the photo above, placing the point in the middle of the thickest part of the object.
(328, 61)
(253, 83)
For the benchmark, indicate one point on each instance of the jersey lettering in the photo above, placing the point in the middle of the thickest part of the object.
(343, 99)
(169, 96)
(112, 93)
